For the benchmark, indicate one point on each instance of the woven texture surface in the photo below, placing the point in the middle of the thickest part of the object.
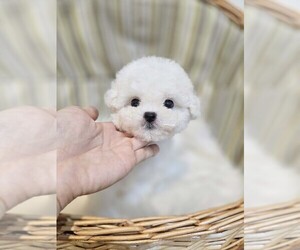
(218, 228)
(273, 227)
(266, 228)
(27, 232)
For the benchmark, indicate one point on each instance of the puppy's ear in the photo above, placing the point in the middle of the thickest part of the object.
(194, 107)
(111, 98)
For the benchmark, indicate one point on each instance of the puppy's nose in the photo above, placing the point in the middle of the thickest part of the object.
(150, 116)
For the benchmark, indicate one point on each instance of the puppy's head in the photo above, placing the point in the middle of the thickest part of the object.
(152, 98)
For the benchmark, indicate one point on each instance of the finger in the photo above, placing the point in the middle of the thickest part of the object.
(92, 112)
(137, 144)
(126, 134)
(146, 152)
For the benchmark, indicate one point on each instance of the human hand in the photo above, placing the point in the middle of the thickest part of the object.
(93, 155)
(27, 154)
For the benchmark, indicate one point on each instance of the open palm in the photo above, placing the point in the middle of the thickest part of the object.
(93, 155)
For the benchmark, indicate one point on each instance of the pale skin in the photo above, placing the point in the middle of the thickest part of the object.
(93, 155)
(65, 152)
(27, 154)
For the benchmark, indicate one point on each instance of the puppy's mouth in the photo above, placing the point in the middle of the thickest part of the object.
(149, 126)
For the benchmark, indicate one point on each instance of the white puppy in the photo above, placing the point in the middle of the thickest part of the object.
(152, 98)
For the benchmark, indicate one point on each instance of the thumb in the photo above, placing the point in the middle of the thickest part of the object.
(146, 152)
(92, 112)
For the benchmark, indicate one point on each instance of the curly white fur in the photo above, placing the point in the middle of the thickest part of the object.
(152, 80)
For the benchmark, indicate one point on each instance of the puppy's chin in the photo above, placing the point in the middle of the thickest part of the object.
(147, 133)
(151, 135)
(143, 132)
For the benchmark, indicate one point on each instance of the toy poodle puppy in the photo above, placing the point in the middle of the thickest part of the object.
(152, 99)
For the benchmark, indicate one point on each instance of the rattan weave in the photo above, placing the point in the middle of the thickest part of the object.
(217, 228)
(273, 227)
(27, 232)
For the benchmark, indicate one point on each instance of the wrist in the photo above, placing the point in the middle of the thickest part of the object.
(12, 196)
(14, 189)
(67, 186)
(63, 198)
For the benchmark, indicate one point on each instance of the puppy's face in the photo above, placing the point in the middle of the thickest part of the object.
(152, 99)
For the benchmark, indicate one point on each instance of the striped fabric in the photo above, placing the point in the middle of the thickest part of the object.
(272, 73)
(97, 37)
(28, 53)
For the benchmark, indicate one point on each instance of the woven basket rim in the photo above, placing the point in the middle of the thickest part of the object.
(279, 11)
(269, 227)
(225, 223)
(276, 226)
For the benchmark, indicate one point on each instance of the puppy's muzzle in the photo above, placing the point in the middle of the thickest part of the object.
(150, 116)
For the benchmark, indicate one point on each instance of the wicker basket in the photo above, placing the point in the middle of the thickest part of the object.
(272, 227)
(272, 94)
(217, 228)
(27, 232)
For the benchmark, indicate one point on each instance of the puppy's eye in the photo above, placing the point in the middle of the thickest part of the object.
(135, 102)
(169, 104)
